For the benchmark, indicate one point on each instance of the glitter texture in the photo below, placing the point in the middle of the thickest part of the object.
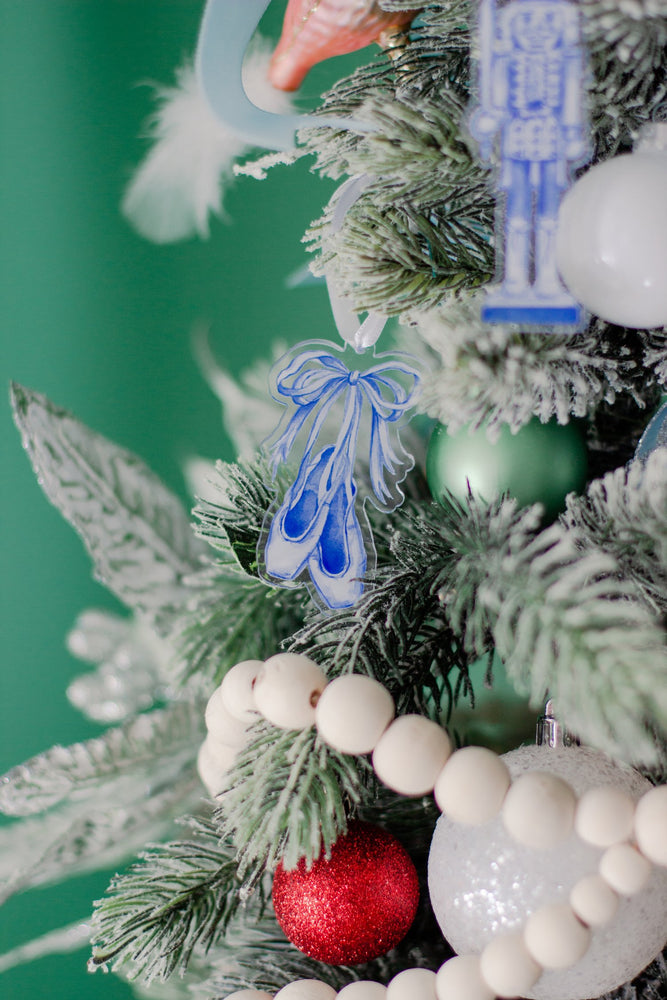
(353, 907)
(483, 883)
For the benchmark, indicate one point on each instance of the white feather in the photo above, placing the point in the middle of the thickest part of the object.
(181, 181)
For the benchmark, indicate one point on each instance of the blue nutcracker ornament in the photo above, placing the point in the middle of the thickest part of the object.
(530, 120)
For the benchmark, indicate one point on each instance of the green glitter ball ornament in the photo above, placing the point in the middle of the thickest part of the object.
(541, 463)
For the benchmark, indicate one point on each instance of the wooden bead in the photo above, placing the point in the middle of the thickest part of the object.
(411, 754)
(507, 967)
(287, 689)
(250, 995)
(538, 810)
(223, 726)
(221, 753)
(412, 984)
(212, 768)
(604, 816)
(594, 901)
(353, 712)
(460, 978)
(624, 869)
(237, 690)
(472, 785)
(364, 989)
(651, 825)
(555, 938)
(306, 989)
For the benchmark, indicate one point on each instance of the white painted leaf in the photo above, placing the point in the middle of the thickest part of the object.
(157, 740)
(135, 529)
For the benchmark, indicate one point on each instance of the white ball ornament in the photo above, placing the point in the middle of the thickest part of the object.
(287, 689)
(412, 984)
(472, 786)
(651, 825)
(237, 690)
(306, 989)
(461, 977)
(604, 816)
(508, 967)
(611, 246)
(483, 883)
(555, 937)
(411, 754)
(353, 712)
(364, 989)
(594, 901)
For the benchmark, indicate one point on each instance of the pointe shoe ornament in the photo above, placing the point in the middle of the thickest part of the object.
(316, 534)
(314, 30)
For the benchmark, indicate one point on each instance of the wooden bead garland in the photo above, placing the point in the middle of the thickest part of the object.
(461, 977)
(306, 989)
(413, 756)
(651, 825)
(287, 689)
(410, 755)
(363, 989)
(353, 712)
(412, 984)
(594, 901)
(250, 995)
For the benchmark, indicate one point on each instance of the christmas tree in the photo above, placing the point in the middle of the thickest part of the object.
(340, 649)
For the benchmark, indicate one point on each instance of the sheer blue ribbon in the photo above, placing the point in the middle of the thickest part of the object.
(316, 529)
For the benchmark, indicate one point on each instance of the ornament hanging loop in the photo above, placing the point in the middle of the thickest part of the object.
(551, 733)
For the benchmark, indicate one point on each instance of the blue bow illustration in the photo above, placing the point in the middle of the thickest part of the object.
(316, 529)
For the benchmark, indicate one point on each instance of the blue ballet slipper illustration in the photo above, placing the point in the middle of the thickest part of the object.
(530, 119)
(316, 532)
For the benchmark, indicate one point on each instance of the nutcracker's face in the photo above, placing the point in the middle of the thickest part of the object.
(537, 26)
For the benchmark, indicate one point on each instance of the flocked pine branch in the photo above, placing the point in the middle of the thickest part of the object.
(424, 226)
(397, 634)
(625, 512)
(479, 374)
(628, 89)
(177, 897)
(237, 615)
(134, 528)
(562, 618)
(287, 797)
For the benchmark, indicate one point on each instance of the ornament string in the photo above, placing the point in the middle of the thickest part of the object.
(364, 335)
(316, 528)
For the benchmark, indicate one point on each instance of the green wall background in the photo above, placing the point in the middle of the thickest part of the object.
(100, 321)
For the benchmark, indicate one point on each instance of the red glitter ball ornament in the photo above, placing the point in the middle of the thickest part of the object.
(353, 907)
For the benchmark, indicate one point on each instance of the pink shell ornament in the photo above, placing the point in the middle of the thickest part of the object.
(314, 30)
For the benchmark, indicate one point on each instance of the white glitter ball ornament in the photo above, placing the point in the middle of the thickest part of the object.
(484, 884)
